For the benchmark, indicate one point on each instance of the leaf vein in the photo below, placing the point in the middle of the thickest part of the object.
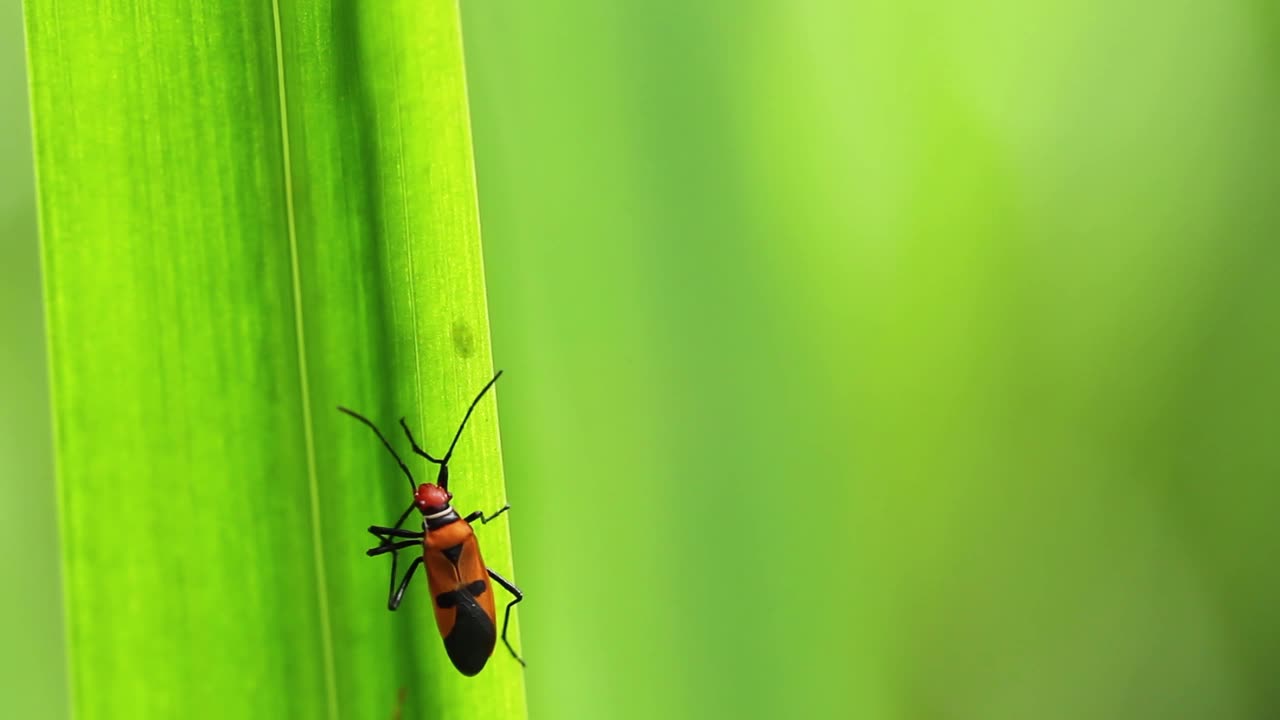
(317, 541)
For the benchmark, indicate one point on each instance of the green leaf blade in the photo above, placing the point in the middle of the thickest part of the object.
(208, 573)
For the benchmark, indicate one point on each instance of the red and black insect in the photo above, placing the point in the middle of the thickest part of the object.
(456, 573)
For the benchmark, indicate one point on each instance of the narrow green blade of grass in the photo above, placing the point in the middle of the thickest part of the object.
(252, 213)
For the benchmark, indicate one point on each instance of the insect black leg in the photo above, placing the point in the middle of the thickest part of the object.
(390, 547)
(506, 618)
(394, 598)
(391, 582)
(479, 515)
(384, 535)
(386, 532)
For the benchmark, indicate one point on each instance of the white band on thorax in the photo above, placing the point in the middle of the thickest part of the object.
(447, 509)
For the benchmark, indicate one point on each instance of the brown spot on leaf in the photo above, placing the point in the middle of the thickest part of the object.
(464, 341)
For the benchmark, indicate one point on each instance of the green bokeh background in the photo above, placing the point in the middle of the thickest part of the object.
(886, 360)
(32, 674)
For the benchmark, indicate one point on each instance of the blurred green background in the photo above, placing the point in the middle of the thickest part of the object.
(32, 674)
(886, 360)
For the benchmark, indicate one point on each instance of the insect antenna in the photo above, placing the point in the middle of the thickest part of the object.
(442, 479)
(413, 486)
(466, 417)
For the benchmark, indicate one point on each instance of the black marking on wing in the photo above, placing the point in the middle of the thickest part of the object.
(449, 599)
(470, 642)
(453, 553)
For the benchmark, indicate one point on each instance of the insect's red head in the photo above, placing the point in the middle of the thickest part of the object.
(429, 497)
